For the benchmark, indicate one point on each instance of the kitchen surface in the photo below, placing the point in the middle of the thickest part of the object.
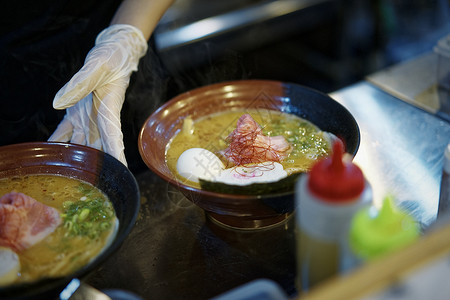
(176, 252)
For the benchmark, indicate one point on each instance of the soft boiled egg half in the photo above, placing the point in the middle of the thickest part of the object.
(198, 163)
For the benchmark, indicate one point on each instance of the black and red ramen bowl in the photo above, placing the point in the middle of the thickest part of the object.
(234, 210)
(85, 164)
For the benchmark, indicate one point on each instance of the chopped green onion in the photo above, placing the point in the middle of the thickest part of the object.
(89, 216)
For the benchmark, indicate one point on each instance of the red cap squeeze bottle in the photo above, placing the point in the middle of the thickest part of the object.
(334, 180)
(327, 198)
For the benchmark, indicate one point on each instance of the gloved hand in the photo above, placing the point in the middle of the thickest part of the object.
(95, 95)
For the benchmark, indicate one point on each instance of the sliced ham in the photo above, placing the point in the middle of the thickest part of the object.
(25, 221)
(247, 144)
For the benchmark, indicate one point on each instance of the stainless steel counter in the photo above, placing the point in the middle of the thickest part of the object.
(401, 149)
(415, 81)
(175, 253)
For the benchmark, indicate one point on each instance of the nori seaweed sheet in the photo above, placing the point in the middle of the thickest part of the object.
(284, 185)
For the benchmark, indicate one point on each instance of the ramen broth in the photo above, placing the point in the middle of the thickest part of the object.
(308, 142)
(78, 239)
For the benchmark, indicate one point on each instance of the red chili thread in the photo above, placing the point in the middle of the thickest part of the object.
(243, 151)
(245, 148)
(267, 166)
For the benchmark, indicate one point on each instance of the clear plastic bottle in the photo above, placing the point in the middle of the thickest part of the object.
(327, 197)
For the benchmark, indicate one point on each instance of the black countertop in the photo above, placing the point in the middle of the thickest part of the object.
(175, 252)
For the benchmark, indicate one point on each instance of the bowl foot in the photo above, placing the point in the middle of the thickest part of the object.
(247, 223)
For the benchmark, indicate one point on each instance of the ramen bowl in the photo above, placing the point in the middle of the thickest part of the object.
(85, 164)
(234, 210)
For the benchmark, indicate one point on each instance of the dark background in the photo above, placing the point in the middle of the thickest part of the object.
(325, 45)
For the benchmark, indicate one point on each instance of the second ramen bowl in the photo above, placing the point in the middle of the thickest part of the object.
(82, 163)
(233, 210)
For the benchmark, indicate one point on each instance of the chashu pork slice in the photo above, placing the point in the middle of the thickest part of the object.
(25, 221)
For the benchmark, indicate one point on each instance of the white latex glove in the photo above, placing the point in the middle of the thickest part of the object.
(95, 95)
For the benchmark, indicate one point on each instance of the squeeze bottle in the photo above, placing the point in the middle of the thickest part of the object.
(374, 233)
(327, 197)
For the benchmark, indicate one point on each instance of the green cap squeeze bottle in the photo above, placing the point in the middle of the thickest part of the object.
(374, 233)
